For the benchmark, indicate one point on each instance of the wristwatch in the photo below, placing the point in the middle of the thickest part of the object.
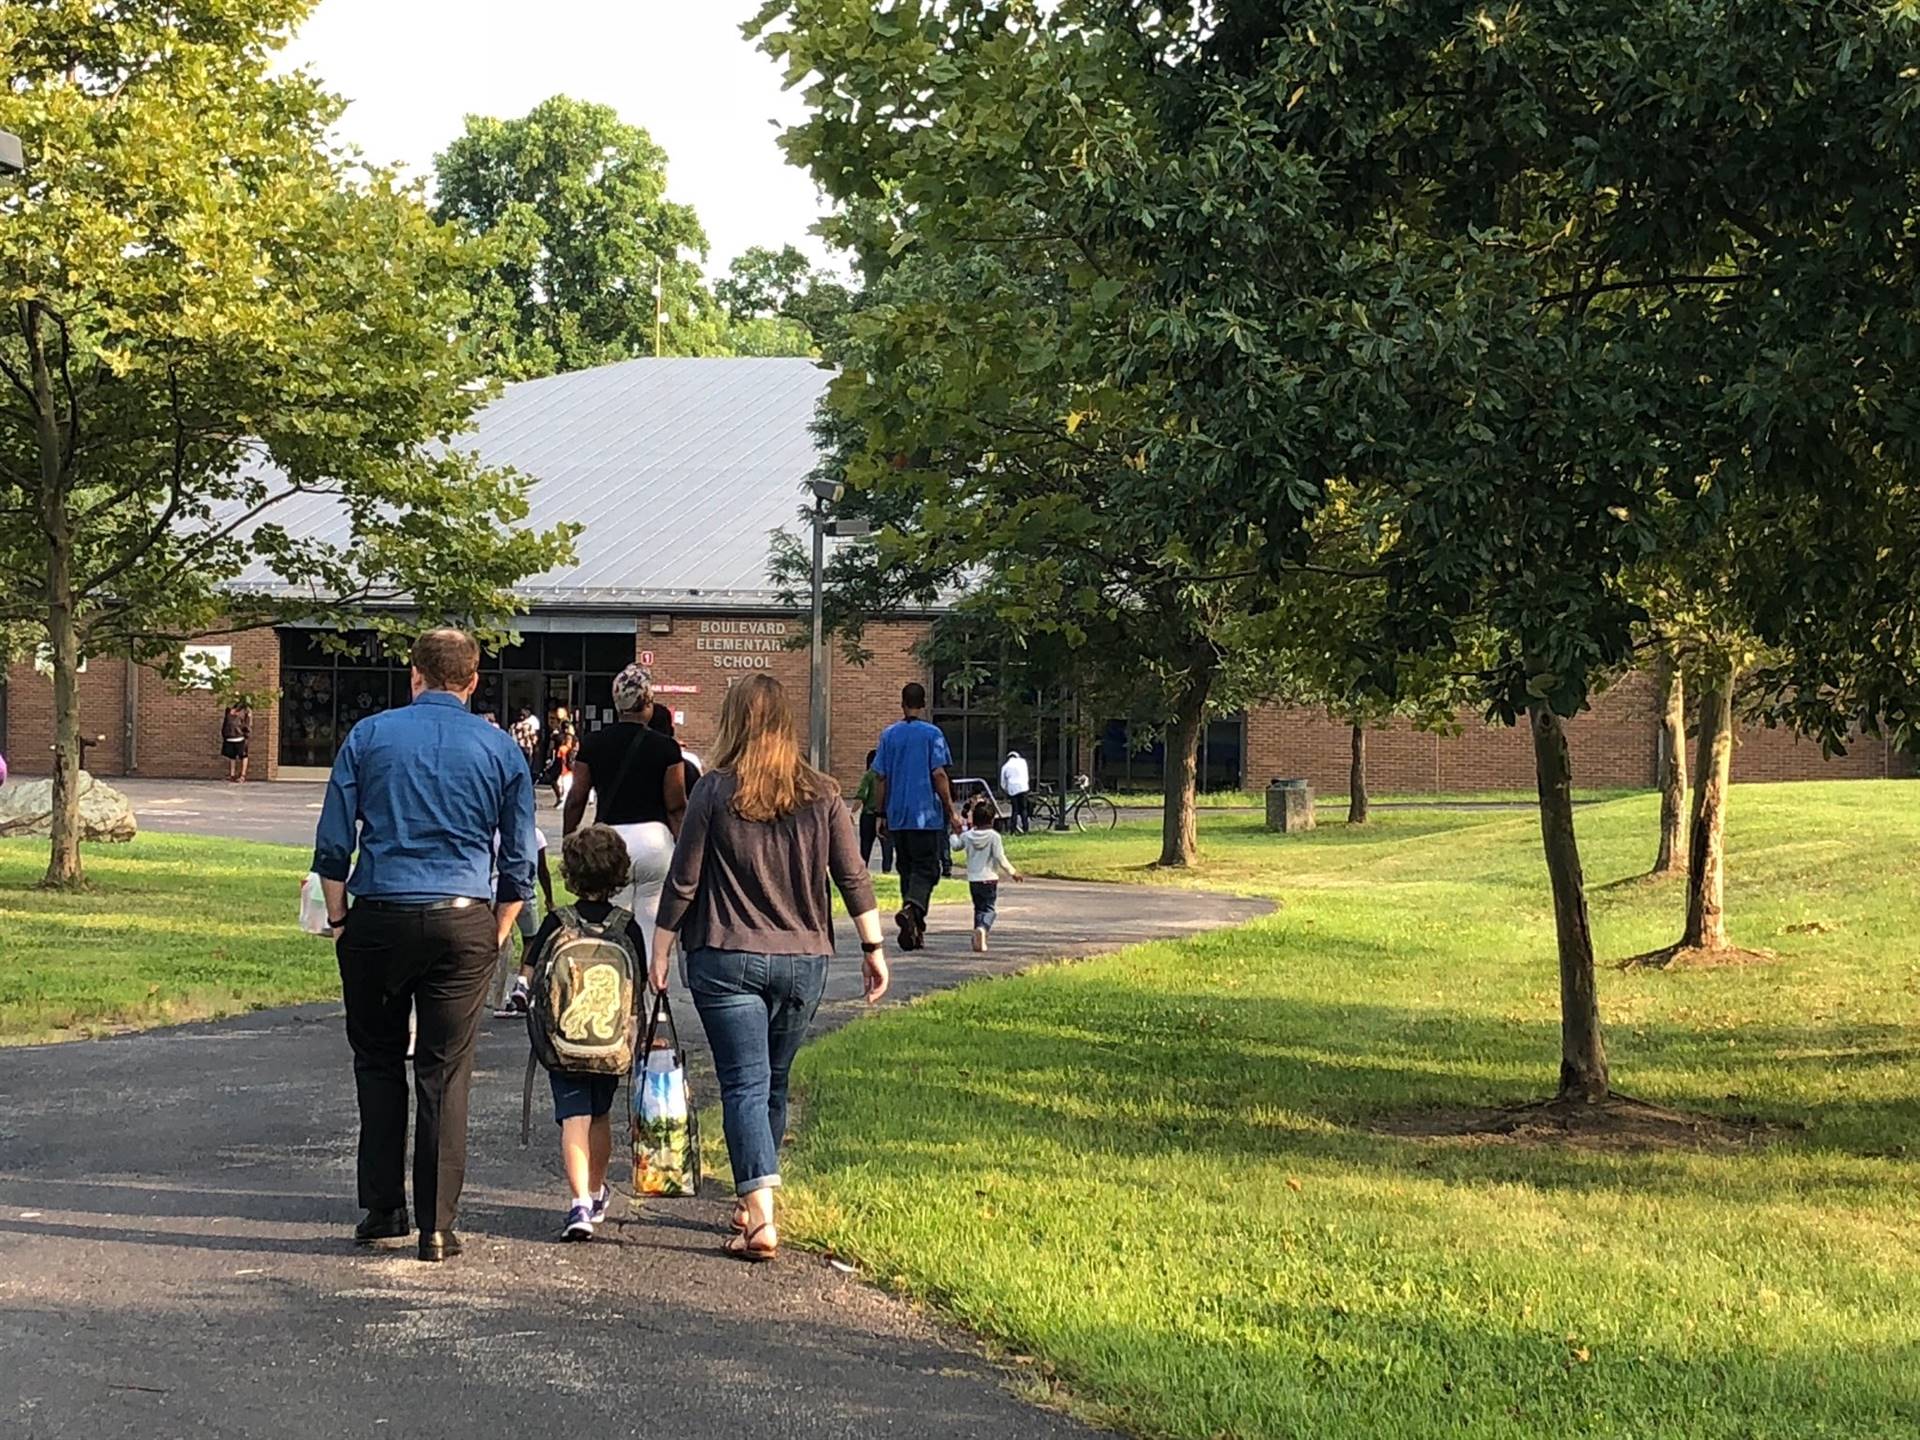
(333, 924)
(873, 947)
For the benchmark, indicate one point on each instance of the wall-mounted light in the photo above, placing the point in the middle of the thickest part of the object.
(659, 624)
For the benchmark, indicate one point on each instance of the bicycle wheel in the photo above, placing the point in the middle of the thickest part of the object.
(1040, 813)
(1095, 812)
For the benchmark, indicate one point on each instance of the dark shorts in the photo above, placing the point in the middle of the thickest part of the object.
(577, 1095)
(233, 749)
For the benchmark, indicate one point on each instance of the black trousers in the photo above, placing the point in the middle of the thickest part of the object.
(438, 962)
(1022, 812)
(922, 853)
(869, 833)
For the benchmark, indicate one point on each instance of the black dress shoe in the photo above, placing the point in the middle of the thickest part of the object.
(382, 1225)
(437, 1245)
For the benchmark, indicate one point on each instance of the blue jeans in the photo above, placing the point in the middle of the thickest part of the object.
(986, 900)
(756, 1010)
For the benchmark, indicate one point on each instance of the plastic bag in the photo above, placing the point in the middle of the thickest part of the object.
(666, 1135)
(313, 906)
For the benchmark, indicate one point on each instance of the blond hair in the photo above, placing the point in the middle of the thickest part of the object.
(758, 745)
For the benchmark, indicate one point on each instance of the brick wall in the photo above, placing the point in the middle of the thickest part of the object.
(176, 735)
(1614, 744)
(866, 698)
(707, 653)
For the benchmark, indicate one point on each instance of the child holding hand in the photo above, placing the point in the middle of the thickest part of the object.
(987, 865)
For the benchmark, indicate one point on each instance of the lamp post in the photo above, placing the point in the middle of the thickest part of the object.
(825, 493)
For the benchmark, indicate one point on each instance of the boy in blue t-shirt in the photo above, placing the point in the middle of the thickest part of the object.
(915, 795)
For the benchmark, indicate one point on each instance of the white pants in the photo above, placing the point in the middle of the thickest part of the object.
(650, 847)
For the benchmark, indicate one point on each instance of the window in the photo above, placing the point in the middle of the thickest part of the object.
(326, 693)
(1132, 755)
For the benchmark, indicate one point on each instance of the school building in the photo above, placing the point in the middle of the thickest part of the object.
(680, 471)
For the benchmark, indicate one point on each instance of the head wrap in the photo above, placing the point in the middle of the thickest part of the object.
(632, 689)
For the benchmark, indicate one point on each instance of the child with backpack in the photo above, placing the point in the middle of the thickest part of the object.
(587, 960)
(987, 863)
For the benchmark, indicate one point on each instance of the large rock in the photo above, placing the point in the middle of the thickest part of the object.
(26, 808)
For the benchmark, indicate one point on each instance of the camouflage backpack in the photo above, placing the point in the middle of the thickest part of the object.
(581, 1014)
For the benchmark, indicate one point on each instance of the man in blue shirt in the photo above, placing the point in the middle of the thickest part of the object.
(421, 792)
(915, 795)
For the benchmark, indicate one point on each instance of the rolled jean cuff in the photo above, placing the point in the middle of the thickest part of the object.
(762, 1182)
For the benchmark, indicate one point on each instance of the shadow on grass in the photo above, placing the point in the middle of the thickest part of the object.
(1246, 1079)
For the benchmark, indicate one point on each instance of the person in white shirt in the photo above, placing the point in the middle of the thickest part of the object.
(987, 865)
(1017, 781)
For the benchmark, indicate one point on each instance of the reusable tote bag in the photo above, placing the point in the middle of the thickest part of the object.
(666, 1127)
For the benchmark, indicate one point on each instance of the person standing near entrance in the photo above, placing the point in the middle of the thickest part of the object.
(236, 735)
(420, 792)
(1017, 781)
(915, 796)
(526, 734)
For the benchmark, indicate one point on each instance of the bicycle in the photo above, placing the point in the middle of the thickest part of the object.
(1086, 808)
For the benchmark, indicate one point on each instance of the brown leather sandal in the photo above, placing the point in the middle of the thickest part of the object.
(741, 1246)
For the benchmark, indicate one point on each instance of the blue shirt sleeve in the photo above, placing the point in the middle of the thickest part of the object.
(335, 839)
(939, 757)
(883, 754)
(517, 848)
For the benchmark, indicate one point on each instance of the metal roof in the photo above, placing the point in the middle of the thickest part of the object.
(679, 470)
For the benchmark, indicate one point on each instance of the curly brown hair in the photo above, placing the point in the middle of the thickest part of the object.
(594, 862)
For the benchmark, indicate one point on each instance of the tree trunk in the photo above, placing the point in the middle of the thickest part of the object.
(1707, 859)
(1357, 779)
(63, 864)
(1583, 1057)
(1672, 858)
(1179, 832)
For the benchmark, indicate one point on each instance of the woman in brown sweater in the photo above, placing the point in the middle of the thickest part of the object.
(747, 898)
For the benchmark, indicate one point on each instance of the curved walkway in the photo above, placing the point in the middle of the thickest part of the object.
(173, 1208)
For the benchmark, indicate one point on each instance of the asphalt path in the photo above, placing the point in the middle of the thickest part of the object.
(174, 1260)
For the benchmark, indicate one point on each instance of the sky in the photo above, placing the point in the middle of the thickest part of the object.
(414, 69)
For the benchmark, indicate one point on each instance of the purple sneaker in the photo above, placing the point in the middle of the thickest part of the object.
(579, 1223)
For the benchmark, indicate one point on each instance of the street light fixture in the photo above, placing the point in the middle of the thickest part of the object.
(13, 158)
(825, 494)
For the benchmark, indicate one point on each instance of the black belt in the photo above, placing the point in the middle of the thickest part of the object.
(459, 902)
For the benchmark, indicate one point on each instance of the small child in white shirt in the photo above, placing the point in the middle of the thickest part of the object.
(987, 864)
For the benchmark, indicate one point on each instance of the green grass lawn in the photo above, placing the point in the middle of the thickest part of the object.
(174, 929)
(1169, 1176)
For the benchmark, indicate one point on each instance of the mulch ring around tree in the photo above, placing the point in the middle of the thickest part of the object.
(1619, 1123)
(1696, 957)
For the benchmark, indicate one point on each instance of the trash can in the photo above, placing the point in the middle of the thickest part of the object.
(1289, 806)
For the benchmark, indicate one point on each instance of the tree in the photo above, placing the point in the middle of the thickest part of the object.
(991, 472)
(1671, 686)
(213, 317)
(572, 204)
(780, 304)
(1530, 272)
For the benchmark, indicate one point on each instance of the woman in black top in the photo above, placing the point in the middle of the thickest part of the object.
(636, 777)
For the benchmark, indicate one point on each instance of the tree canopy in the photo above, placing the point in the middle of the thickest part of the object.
(216, 319)
(572, 203)
(1553, 286)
